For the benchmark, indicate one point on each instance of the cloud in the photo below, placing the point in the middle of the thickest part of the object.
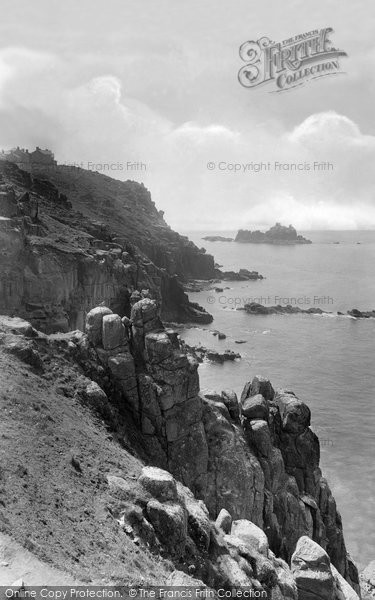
(99, 121)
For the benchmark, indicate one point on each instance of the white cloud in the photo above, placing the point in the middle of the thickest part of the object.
(99, 121)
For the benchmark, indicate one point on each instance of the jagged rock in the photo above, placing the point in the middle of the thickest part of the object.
(311, 569)
(259, 385)
(113, 335)
(95, 396)
(231, 402)
(122, 369)
(224, 521)
(188, 459)
(255, 407)
(94, 324)
(250, 535)
(199, 526)
(158, 347)
(342, 590)
(170, 523)
(259, 436)
(159, 483)
(295, 414)
(145, 315)
(235, 480)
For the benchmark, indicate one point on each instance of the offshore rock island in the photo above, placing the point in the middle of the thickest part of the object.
(116, 468)
(278, 235)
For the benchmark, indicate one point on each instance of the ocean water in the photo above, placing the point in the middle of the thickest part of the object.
(328, 361)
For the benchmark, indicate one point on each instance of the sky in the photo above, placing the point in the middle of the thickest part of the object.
(148, 90)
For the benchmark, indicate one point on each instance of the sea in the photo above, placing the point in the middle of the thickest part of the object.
(327, 360)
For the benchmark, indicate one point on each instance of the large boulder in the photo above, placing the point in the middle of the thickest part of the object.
(259, 437)
(199, 526)
(94, 323)
(255, 407)
(259, 385)
(95, 396)
(311, 569)
(231, 402)
(122, 369)
(224, 521)
(170, 524)
(235, 479)
(159, 483)
(250, 535)
(295, 414)
(114, 335)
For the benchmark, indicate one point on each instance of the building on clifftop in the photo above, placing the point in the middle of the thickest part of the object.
(28, 160)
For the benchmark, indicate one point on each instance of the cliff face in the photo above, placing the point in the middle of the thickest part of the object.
(256, 458)
(241, 496)
(257, 499)
(57, 263)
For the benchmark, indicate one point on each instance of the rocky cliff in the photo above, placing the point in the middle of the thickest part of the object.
(56, 262)
(234, 495)
(240, 499)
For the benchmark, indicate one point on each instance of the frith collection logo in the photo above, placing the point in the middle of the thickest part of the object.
(290, 63)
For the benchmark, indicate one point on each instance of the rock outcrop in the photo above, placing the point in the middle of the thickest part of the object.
(361, 314)
(217, 238)
(254, 308)
(367, 581)
(278, 234)
(315, 576)
(56, 262)
(241, 275)
(224, 554)
(240, 494)
(257, 458)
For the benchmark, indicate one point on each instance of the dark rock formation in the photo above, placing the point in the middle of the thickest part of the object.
(241, 275)
(256, 459)
(56, 263)
(254, 308)
(225, 554)
(359, 314)
(262, 466)
(315, 576)
(278, 234)
(201, 352)
(217, 238)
